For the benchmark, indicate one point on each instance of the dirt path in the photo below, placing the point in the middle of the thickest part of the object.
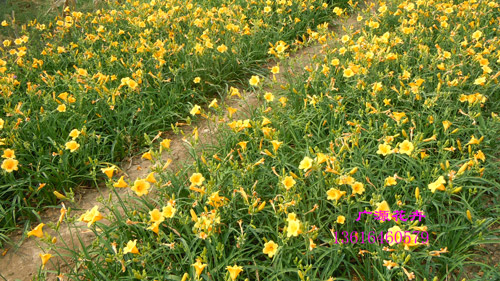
(23, 262)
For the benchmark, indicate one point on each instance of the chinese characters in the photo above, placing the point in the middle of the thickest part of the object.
(396, 215)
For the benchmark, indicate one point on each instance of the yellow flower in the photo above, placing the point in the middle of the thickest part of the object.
(63, 96)
(398, 115)
(109, 171)
(199, 48)
(473, 140)
(406, 75)
(121, 183)
(486, 69)
(254, 81)
(74, 134)
(276, 144)
(131, 247)
(384, 149)
(141, 187)
(235, 92)
(8, 153)
(197, 80)
(306, 164)
(377, 87)
(72, 146)
(312, 245)
(406, 147)
(480, 81)
(213, 104)
(438, 184)
(165, 143)
(215, 200)
(270, 248)
(155, 227)
(147, 155)
(196, 179)
(45, 258)
(63, 212)
(391, 56)
(293, 228)
(348, 73)
(390, 264)
(373, 24)
(411, 241)
(222, 48)
(231, 111)
(280, 48)
(390, 181)
(476, 35)
(37, 231)
(265, 122)
(275, 69)
(91, 216)
(321, 157)
(10, 165)
(156, 216)
(269, 97)
(480, 155)
(151, 177)
(267, 9)
(358, 188)
(446, 125)
(169, 211)
(2, 122)
(195, 110)
(61, 108)
(334, 194)
(344, 179)
(288, 182)
(394, 230)
(341, 219)
(383, 206)
(129, 82)
(243, 145)
(234, 271)
(291, 217)
(484, 62)
(338, 11)
(198, 267)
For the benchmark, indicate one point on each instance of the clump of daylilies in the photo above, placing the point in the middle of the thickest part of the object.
(375, 158)
(87, 88)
